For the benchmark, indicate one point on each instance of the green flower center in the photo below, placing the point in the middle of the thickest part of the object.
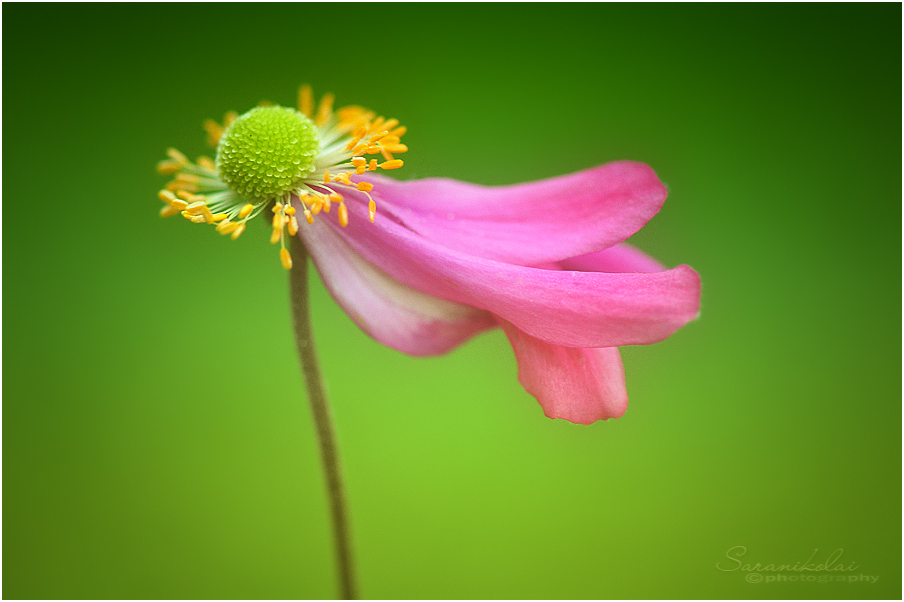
(266, 151)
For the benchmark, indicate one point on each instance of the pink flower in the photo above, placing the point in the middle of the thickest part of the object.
(546, 261)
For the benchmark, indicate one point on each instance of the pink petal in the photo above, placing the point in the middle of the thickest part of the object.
(579, 385)
(618, 259)
(533, 223)
(574, 309)
(394, 314)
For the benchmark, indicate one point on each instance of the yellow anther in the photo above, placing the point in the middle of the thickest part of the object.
(359, 161)
(290, 210)
(214, 132)
(343, 215)
(246, 210)
(309, 216)
(286, 258)
(197, 208)
(229, 228)
(176, 156)
(293, 225)
(372, 166)
(223, 224)
(399, 131)
(277, 234)
(168, 167)
(326, 177)
(325, 110)
(377, 124)
(229, 117)
(166, 196)
(390, 123)
(372, 210)
(386, 154)
(179, 204)
(206, 163)
(306, 100)
(186, 196)
(379, 136)
(396, 148)
(238, 231)
(316, 206)
(365, 186)
(168, 211)
(188, 177)
(275, 208)
(218, 217)
(326, 204)
(394, 164)
(198, 219)
(176, 185)
(278, 221)
(342, 178)
(335, 197)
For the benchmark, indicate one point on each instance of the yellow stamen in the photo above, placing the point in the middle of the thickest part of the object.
(168, 167)
(365, 186)
(343, 215)
(218, 217)
(278, 221)
(230, 228)
(372, 166)
(168, 211)
(206, 163)
(306, 100)
(394, 164)
(196, 208)
(277, 234)
(179, 204)
(166, 196)
(286, 258)
(246, 211)
(316, 206)
(372, 210)
(308, 215)
(176, 156)
(214, 132)
(290, 210)
(223, 224)
(326, 177)
(229, 118)
(293, 226)
(198, 219)
(238, 231)
(396, 148)
(325, 110)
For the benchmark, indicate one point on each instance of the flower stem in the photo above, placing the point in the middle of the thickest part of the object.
(320, 409)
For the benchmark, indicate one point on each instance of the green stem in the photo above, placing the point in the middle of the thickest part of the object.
(323, 420)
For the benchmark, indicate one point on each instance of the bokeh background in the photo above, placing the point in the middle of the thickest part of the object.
(156, 438)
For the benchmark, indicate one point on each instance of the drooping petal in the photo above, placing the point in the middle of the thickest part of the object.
(570, 308)
(619, 259)
(394, 314)
(532, 223)
(579, 385)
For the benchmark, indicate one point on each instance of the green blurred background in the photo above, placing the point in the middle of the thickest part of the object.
(156, 439)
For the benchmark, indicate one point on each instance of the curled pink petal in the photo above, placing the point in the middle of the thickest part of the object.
(392, 313)
(579, 385)
(532, 223)
(619, 259)
(569, 308)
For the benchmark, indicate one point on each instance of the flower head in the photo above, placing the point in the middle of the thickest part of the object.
(278, 157)
(545, 261)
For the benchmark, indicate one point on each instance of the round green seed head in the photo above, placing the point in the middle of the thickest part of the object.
(266, 151)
